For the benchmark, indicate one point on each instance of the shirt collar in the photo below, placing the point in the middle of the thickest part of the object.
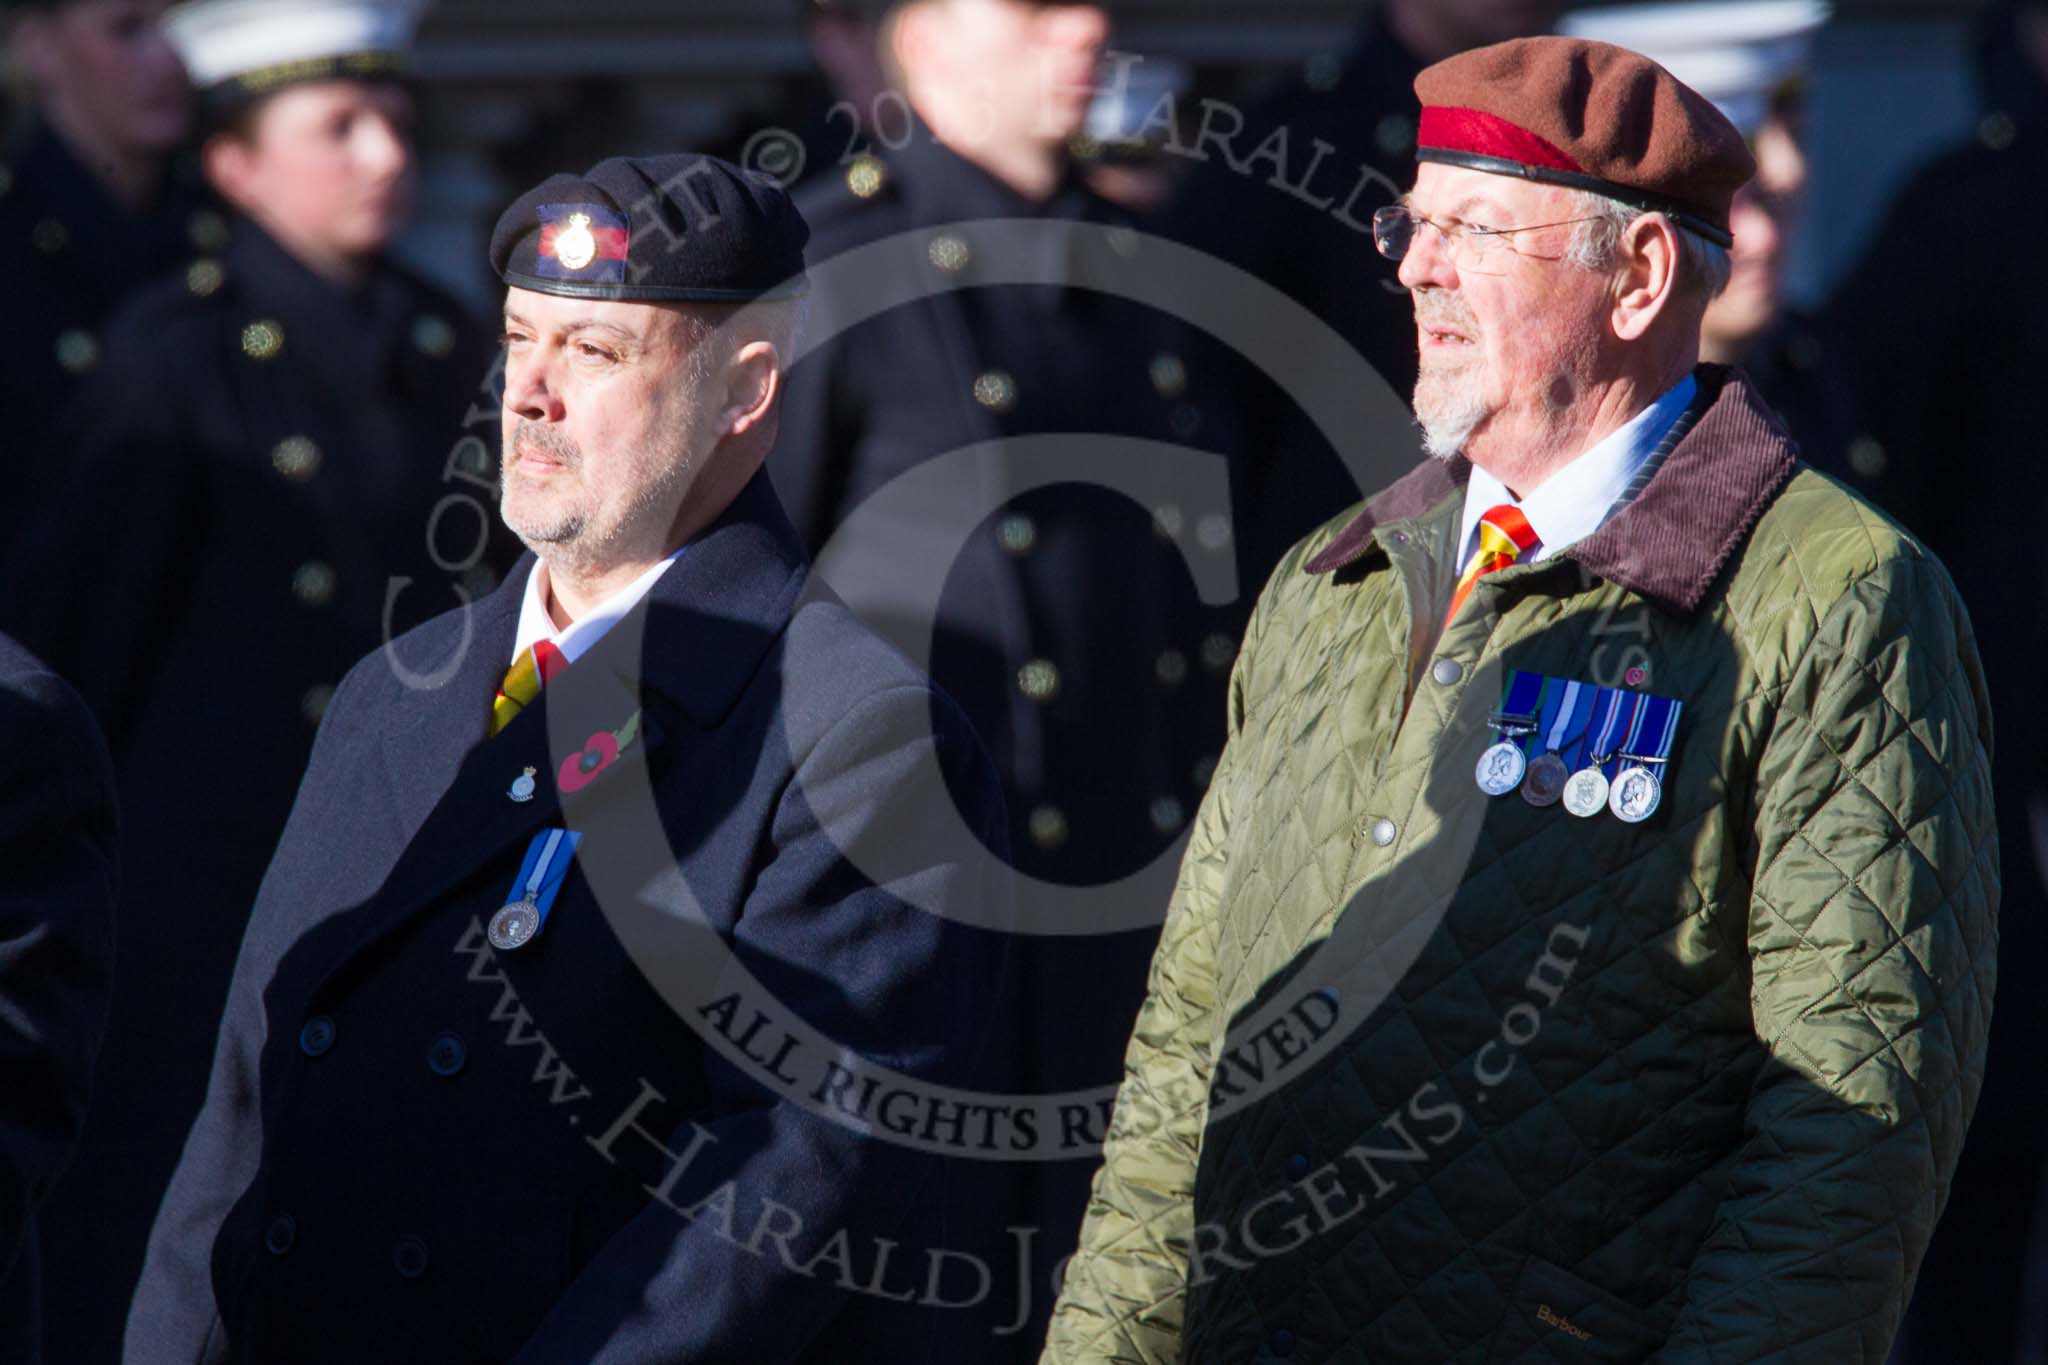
(1572, 503)
(535, 624)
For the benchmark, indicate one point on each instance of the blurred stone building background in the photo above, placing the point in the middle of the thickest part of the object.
(519, 88)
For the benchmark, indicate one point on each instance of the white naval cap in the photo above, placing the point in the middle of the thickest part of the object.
(1738, 53)
(260, 45)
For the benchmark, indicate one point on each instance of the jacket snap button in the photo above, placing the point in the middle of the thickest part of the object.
(1383, 832)
(1297, 1166)
(1283, 1342)
(317, 1036)
(447, 1055)
(1447, 672)
(409, 1257)
(279, 1236)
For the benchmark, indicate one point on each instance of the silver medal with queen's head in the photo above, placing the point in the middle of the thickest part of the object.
(1637, 794)
(514, 926)
(1500, 768)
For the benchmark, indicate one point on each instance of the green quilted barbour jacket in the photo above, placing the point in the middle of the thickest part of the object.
(1429, 1075)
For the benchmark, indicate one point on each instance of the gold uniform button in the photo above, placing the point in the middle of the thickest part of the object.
(1169, 375)
(1039, 680)
(207, 230)
(996, 391)
(263, 339)
(1219, 651)
(296, 458)
(314, 704)
(77, 352)
(313, 583)
(1171, 668)
(433, 336)
(204, 277)
(865, 176)
(50, 236)
(1168, 814)
(1017, 534)
(949, 253)
(1048, 827)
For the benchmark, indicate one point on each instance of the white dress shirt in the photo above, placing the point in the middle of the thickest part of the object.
(586, 630)
(1572, 503)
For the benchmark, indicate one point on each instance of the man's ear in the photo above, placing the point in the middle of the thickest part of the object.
(753, 381)
(1649, 258)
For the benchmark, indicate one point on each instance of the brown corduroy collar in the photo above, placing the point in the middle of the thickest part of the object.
(1671, 541)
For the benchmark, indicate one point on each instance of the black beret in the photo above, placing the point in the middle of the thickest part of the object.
(680, 228)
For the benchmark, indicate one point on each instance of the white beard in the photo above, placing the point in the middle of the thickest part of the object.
(1449, 407)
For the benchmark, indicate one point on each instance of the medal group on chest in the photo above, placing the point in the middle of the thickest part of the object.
(1590, 748)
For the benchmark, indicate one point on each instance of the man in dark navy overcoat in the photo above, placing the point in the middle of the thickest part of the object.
(620, 920)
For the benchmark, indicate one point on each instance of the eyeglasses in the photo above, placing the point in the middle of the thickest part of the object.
(1471, 246)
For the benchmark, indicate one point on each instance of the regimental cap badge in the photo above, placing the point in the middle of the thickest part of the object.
(582, 242)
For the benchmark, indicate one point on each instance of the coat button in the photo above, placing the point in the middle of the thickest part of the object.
(50, 236)
(447, 1055)
(433, 336)
(1039, 680)
(204, 277)
(1017, 534)
(996, 391)
(1282, 1343)
(280, 1235)
(317, 1036)
(949, 253)
(1219, 652)
(1168, 815)
(1297, 1166)
(314, 582)
(313, 705)
(77, 352)
(1383, 832)
(1447, 672)
(1169, 375)
(263, 339)
(296, 458)
(1171, 668)
(1048, 827)
(409, 1257)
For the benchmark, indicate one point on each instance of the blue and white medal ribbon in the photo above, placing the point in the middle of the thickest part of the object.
(539, 881)
(1637, 791)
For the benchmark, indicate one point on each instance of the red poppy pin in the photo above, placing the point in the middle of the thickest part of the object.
(599, 752)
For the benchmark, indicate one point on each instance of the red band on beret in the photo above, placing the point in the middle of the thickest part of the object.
(1484, 134)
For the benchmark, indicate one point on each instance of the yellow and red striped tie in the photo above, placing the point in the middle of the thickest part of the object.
(1505, 535)
(532, 670)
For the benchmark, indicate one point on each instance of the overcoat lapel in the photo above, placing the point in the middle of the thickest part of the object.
(678, 661)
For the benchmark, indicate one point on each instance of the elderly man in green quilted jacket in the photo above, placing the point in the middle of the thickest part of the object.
(1585, 950)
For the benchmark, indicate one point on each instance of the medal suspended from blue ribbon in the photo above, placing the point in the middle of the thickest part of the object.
(1501, 767)
(540, 879)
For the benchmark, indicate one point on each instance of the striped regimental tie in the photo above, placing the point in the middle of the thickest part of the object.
(1505, 535)
(532, 670)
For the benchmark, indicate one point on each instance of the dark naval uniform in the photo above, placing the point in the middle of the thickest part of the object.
(1067, 620)
(1290, 198)
(419, 1148)
(1945, 346)
(58, 837)
(252, 481)
(74, 255)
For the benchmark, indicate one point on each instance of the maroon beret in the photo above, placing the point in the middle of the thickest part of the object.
(1592, 116)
